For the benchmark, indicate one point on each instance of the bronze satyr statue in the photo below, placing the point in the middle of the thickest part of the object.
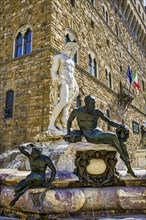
(38, 164)
(87, 117)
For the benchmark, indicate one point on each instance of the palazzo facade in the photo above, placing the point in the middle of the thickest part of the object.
(111, 36)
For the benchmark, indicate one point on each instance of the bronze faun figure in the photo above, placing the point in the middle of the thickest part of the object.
(38, 164)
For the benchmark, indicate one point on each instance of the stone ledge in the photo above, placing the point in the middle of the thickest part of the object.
(10, 177)
(76, 200)
(84, 146)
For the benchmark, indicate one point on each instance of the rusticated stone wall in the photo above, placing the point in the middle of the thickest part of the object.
(29, 75)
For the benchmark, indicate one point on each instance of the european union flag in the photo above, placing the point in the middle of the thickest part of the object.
(129, 74)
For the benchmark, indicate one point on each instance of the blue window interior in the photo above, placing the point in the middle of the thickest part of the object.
(27, 41)
(9, 104)
(18, 45)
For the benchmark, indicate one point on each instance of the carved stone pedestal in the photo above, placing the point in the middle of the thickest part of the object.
(96, 167)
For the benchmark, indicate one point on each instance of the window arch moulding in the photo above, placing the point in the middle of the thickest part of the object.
(92, 64)
(105, 13)
(23, 30)
(108, 75)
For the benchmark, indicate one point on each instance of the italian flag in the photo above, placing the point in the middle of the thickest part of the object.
(135, 79)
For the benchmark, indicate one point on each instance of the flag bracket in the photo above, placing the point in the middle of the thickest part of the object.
(125, 96)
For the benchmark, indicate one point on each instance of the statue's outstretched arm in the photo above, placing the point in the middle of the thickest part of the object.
(53, 169)
(105, 118)
(23, 150)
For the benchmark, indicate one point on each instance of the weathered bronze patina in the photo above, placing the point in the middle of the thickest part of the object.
(87, 117)
(38, 164)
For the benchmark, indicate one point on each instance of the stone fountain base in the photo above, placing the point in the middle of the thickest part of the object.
(43, 201)
(63, 200)
(78, 165)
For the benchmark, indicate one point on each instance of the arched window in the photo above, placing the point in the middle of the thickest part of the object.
(70, 37)
(89, 64)
(129, 47)
(108, 77)
(23, 42)
(143, 16)
(144, 107)
(138, 8)
(78, 101)
(94, 68)
(106, 74)
(106, 17)
(92, 65)
(92, 1)
(67, 39)
(72, 2)
(121, 69)
(110, 80)
(27, 42)
(117, 30)
(108, 115)
(143, 86)
(103, 11)
(18, 45)
(9, 104)
(80, 98)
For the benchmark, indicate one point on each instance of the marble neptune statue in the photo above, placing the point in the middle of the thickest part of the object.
(65, 88)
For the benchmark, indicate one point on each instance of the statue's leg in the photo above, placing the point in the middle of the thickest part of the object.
(20, 186)
(20, 193)
(64, 117)
(124, 150)
(64, 94)
(123, 154)
(34, 180)
(58, 123)
(98, 137)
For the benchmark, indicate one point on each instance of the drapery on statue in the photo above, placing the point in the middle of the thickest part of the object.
(65, 88)
(87, 117)
(38, 164)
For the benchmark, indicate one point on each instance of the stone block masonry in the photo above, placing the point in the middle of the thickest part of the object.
(29, 75)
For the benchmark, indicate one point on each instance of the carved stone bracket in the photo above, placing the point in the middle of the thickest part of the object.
(96, 168)
(125, 96)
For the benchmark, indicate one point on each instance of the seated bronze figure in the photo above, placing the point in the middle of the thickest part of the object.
(87, 117)
(38, 164)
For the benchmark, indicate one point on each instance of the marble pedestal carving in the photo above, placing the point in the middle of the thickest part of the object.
(93, 164)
